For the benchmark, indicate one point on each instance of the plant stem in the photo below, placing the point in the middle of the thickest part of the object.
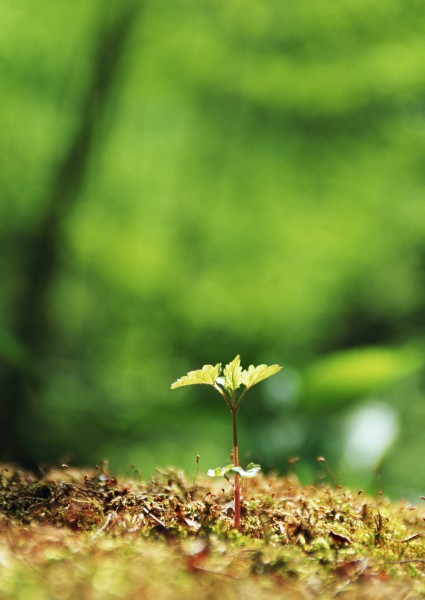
(236, 463)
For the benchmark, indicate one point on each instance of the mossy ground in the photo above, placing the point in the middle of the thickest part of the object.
(68, 534)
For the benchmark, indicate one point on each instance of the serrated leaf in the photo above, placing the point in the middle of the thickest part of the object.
(207, 375)
(254, 375)
(233, 374)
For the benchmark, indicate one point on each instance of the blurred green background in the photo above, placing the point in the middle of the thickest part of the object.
(182, 181)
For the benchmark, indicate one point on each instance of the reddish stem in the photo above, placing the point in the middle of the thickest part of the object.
(236, 463)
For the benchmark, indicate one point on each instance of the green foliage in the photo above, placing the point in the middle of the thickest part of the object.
(207, 375)
(254, 375)
(233, 377)
(227, 386)
(341, 378)
(255, 185)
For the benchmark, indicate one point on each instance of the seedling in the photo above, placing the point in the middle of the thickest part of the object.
(227, 384)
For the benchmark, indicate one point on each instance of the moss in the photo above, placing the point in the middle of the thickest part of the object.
(68, 534)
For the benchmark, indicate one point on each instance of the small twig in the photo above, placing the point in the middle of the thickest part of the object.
(148, 512)
(403, 562)
(415, 536)
(112, 515)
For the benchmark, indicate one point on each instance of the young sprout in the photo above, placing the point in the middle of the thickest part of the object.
(232, 384)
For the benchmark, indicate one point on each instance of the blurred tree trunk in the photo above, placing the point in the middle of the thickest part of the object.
(41, 251)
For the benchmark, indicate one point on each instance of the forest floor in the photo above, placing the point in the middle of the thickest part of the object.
(68, 534)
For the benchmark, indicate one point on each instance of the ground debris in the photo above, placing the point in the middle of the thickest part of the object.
(167, 537)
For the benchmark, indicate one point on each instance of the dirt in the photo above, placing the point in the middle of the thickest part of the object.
(67, 533)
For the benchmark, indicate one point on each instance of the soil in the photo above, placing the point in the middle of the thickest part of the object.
(67, 533)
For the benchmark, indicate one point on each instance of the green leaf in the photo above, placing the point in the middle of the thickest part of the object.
(251, 471)
(207, 375)
(220, 471)
(233, 374)
(254, 375)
